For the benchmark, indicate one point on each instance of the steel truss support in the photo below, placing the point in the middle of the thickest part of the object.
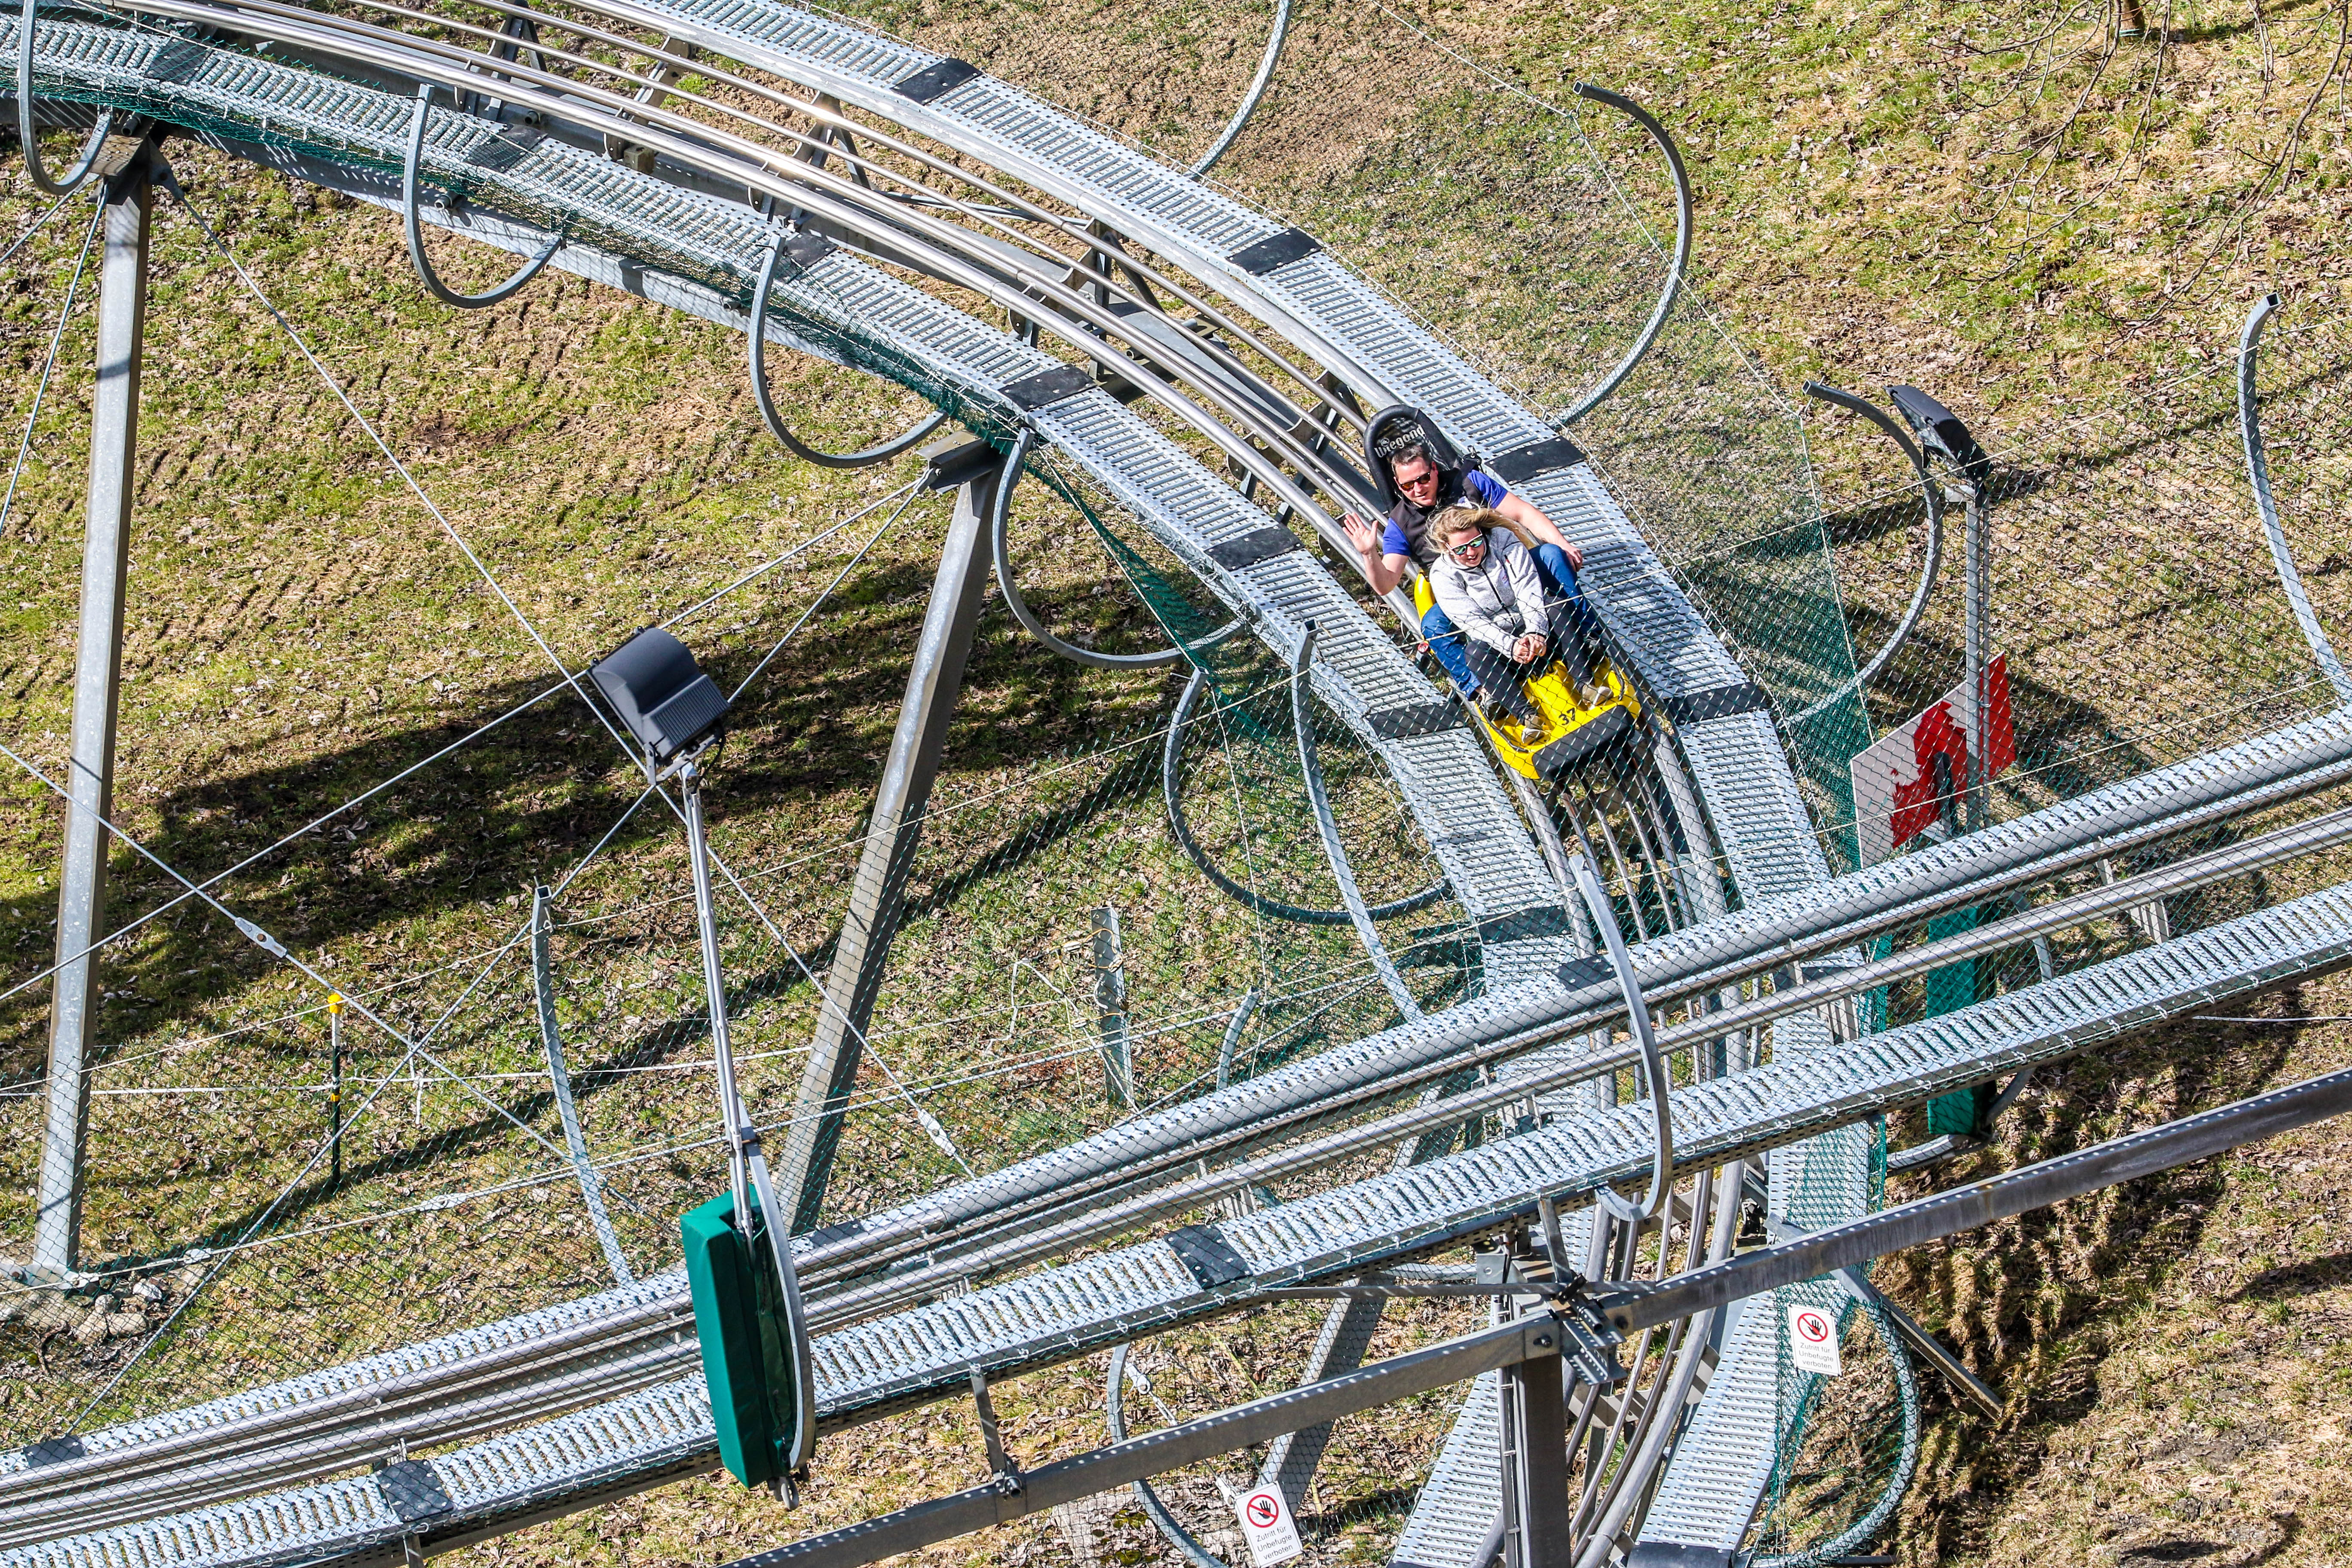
(877, 899)
(129, 199)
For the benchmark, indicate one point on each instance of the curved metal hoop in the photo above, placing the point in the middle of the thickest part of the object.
(1649, 122)
(88, 163)
(1172, 757)
(1327, 827)
(1169, 1527)
(2258, 472)
(1267, 62)
(1934, 494)
(999, 514)
(416, 230)
(1862, 1532)
(866, 458)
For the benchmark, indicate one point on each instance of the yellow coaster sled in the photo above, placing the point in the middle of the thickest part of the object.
(1570, 735)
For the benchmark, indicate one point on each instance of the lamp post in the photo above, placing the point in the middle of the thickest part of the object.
(677, 714)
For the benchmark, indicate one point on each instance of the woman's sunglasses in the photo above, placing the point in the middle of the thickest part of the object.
(1466, 549)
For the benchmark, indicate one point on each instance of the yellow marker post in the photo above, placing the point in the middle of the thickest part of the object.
(335, 1093)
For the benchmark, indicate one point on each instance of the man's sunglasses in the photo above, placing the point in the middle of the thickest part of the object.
(1466, 549)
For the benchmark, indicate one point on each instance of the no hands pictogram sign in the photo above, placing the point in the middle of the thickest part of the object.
(1267, 1526)
(1813, 1341)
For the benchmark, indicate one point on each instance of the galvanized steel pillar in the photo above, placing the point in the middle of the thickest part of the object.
(98, 675)
(878, 900)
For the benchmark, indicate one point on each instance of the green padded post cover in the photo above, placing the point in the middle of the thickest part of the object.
(1948, 990)
(737, 1315)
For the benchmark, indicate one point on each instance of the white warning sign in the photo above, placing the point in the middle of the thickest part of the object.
(1813, 1341)
(1267, 1526)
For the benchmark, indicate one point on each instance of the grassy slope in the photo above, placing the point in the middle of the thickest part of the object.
(2168, 1350)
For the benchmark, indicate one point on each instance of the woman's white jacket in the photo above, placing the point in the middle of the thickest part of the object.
(1495, 601)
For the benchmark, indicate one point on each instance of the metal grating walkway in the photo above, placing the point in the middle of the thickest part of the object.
(875, 1367)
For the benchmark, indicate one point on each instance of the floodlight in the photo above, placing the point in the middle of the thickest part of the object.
(1940, 430)
(660, 693)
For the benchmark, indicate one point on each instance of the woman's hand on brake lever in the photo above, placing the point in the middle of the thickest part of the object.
(1527, 650)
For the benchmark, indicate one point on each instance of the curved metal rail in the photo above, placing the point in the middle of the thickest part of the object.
(2258, 473)
(1171, 789)
(1674, 267)
(1653, 1065)
(27, 134)
(756, 352)
(1302, 720)
(415, 231)
(1932, 494)
(1839, 1547)
(1000, 545)
(1267, 62)
(2063, 1016)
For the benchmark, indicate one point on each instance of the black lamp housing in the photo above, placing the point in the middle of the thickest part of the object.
(660, 693)
(1941, 429)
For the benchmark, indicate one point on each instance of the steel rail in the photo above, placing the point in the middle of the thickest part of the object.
(507, 1367)
(1764, 937)
(2258, 474)
(909, 238)
(830, 120)
(1365, 382)
(355, 1443)
(1036, 1238)
(1628, 1307)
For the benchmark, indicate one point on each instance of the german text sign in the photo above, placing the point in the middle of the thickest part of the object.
(1813, 1341)
(1267, 1526)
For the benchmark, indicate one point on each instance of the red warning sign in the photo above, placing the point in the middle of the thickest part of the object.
(1907, 784)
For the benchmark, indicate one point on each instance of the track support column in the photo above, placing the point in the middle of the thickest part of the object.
(877, 899)
(97, 683)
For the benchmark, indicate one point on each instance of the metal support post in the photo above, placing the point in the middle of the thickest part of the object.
(1111, 1006)
(1978, 556)
(592, 1187)
(98, 677)
(747, 1165)
(1535, 1464)
(877, 899)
